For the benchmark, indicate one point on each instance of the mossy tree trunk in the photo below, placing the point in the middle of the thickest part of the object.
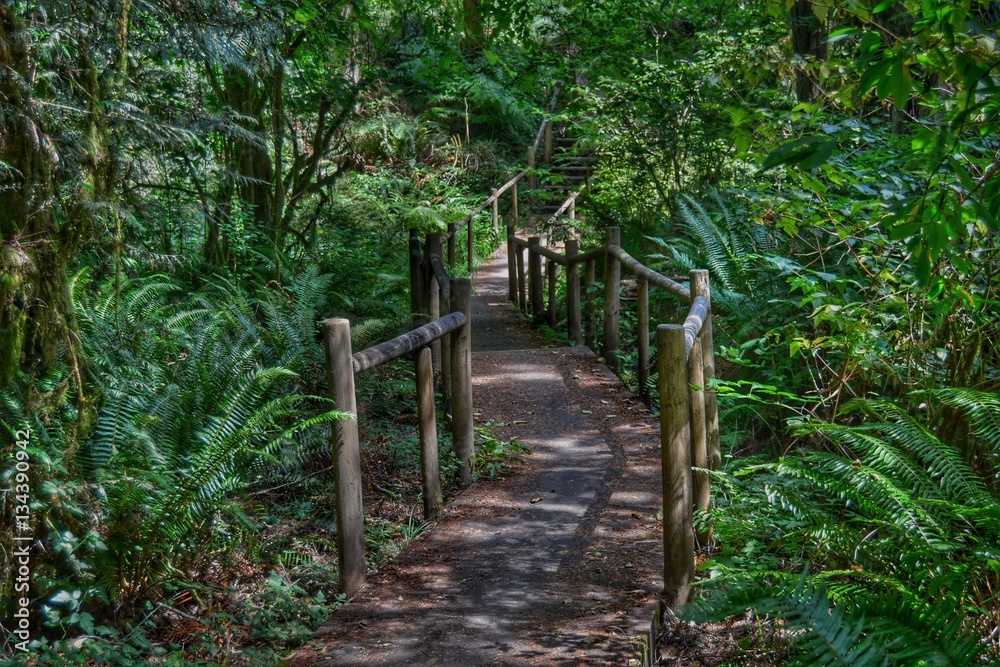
(36, 317)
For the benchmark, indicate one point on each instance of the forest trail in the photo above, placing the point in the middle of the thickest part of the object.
(558, 564)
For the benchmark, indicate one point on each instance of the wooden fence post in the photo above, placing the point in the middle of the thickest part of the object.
(643, 333)
(444, 382)
(675, 442)
(522, 283)
(452, 233)
(700, 287)
(513, 203)
(612, 299)
(572, 210)
(495, 209)
(700, 490)
(461, 380)
(573, 292)
(589, 277)
(416, 277)
(432, 246)
(531, 169)
(551, 269)
(471, 240)
(511, 266)
(346, 457)
(430, 471)
(535, 280)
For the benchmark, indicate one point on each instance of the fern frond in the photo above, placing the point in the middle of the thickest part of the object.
(828, 634)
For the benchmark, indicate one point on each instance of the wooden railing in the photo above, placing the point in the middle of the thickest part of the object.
(342, 366)
(689, 424)
(441, 340)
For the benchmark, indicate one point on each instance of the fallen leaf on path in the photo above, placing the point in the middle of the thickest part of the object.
(586, 412)
(535, 500)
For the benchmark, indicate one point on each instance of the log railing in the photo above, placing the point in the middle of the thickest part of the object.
(689, 425)
(493, 201)
(441, 342)
(455, 329)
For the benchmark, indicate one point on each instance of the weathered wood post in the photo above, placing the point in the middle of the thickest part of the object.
(589, 277)
(535, 280)
(432, 290)
(513, 203)
(675, 442)
(551, 276)
(452, 233)
(416, 277)
(461, 380)
(531, 169)
(511, 266)
(643, 317)
(700, 287)
(346, 456)
(612, 299)
(495, 209)
(573, 292)
(699, 443)
(430, 472)
(522, 283)
(572, 210)
(445, 380)
(471, 240)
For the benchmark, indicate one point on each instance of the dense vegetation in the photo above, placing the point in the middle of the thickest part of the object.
(187, 188)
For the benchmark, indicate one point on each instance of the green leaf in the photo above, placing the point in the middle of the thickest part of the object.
(874, 75)
(808, 153)
(870, 42)
(900, 83)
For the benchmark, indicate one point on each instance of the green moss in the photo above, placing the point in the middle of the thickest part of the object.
(12, 327)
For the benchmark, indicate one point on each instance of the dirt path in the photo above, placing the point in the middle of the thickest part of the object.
(557, 565)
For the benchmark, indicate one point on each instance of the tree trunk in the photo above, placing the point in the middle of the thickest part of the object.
(36, 317)
(808, 42)
(472, 18)
(251, 160)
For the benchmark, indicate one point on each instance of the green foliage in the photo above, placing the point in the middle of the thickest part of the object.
(493, 457)
(876, 630)
(899, 528)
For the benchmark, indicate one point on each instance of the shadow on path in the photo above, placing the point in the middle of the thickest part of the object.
(556, 565)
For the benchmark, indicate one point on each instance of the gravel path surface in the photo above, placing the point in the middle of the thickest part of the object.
(557, 565)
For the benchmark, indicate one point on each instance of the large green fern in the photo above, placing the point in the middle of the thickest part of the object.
(901, 529)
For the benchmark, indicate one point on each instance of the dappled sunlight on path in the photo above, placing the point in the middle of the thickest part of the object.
(556, 565)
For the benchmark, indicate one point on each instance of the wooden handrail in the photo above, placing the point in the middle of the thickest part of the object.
(541, 133)
(565, 205)
(549, 254)
(482, 207)
(402, 345)
(589, 256)
(441, 275)
(653, 277)
(695, 321)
